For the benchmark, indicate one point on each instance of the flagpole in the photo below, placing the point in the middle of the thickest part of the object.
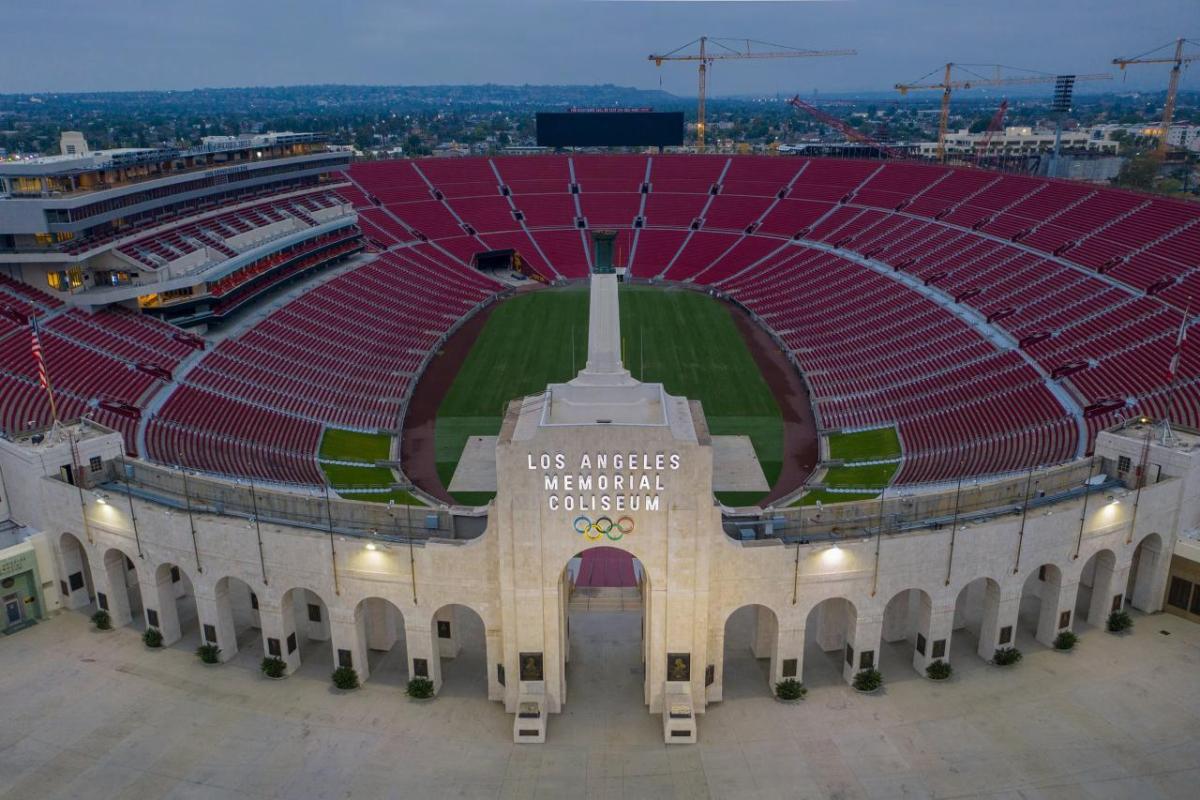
(1173, 369)
(43, 370)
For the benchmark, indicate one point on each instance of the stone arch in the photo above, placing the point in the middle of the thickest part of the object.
(913, 632)
(829, 635)
(1148, 569)
(751, 637)
(594, 614)
(381, 632)
(1101, 590)
(170, 605)
(977, 617)
(78, 589)
(232, 620)
(117, 588)
(298, 629)
(1045, 609)
(461, 650)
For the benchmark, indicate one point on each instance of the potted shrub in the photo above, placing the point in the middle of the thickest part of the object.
(868, 681)
(102, 620)
(790, 690)
(345, 678)
(209, 653)
(420, 689)
(152, 638)
(939, 670)
(1006, 656)
(1119, 622)
(273, 667)
(1066, 640)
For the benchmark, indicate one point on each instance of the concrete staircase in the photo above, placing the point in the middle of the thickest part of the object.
(606, 599)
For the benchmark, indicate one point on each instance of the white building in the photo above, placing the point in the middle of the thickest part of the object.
(607, 461)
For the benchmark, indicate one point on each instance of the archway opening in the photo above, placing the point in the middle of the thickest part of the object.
(827, 631)
(381, 627)
(603, 596)
(976, 613)
(76, 586)
(751, 635)
(1039, 618)
(240, 621)
(308, 641)
(1098, 594)
(171, 607)
(122, 595)
(1144, 591)
(905, 635)
(461, 642)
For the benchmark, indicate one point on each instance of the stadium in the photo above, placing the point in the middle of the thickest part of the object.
(421, 418)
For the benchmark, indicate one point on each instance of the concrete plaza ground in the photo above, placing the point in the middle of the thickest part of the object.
(96, 715)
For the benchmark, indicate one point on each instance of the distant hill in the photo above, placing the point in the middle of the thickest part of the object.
(289, 99)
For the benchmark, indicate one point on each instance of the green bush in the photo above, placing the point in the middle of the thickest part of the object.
(790, 689)
(868, 680)
(1119, 621)
(273, 667)
(152, 637)
(209, 653)
(1065, 640)
(345, 678)
(420, 688)
(102, 620)
(939, 670)
(1006, 656)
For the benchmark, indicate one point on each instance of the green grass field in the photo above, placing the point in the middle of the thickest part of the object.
(367, 448)
(869, 445)
(685, 340)
(865, 445)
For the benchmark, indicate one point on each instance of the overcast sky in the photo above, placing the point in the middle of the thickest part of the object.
(86, 45)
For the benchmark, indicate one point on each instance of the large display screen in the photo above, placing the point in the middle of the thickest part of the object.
(610, 129)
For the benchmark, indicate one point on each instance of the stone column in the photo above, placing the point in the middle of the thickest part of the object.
(216, 611)
(158, 593)
(1057, 599)
(765, 632)
(72, 562)
(998, 627)
(1150, 582)
(421, 645)
(448, 646)
(716, 649)
(864, 637)
(897, 617)
(494, 648)
(936, 625)
(349, 636)
(656, 649)
(315, 630)
(379, 624)
(1108, 592)
(833, 621)
(109, 580)
(279, 623)
(787, 659)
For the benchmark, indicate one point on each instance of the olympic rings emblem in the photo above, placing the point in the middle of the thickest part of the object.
(603, 526)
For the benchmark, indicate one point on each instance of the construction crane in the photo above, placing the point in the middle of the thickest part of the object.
(948, 84)
(849, 130)
(994, 126)
(1177, 62)
(729, 49)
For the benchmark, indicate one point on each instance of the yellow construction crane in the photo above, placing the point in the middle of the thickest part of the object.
(729, 49)
(1178, 61)
(948, 84)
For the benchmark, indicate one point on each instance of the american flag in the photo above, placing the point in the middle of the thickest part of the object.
(1173, 367)
(36, 345)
